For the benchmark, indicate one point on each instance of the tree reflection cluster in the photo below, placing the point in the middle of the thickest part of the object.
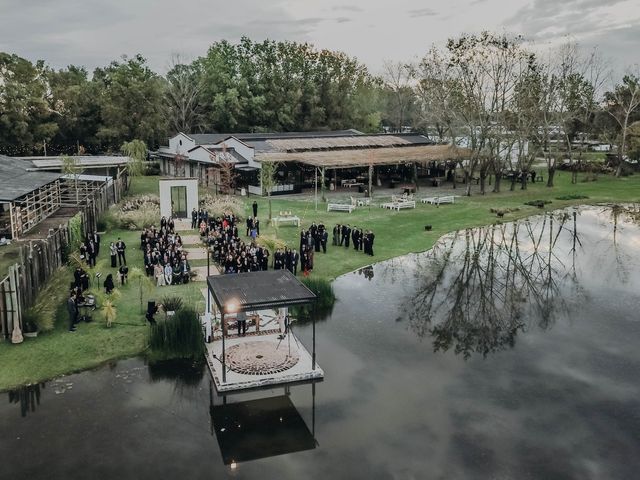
(479, 287)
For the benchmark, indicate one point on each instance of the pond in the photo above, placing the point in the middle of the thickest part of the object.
(508, 351)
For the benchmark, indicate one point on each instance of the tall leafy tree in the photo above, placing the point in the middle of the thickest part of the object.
(131, 103)
(26, 120)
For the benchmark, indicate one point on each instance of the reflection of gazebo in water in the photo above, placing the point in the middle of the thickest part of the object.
(264, 357)
(261, 428)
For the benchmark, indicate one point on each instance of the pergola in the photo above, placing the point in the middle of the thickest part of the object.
(357, 152)
(261, 290)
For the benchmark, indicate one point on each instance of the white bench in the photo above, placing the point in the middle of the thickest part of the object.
(361, 202)
(340, 207)
(438, 200)
(404, 204)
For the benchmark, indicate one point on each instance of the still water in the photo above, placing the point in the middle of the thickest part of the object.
(509, 351)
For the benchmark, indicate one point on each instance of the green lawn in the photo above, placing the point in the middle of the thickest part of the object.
(397, 233)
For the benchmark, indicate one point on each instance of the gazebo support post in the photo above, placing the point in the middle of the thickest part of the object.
(313, 355)
(224, 354)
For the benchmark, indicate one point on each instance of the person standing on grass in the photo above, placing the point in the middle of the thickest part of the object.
(73, 311)
(121, 247)
(194, 218)
(113, 251)
(255, 208)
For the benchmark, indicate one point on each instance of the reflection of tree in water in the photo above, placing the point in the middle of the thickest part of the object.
(621, 214)
(481, 284)
(28, 397)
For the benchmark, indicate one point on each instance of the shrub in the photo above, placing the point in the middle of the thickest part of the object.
(49, 298)
(537, 203)
(171, 303)
(152, 168)
(326, 298)
(571, 196)
(137, 212)
(221, 205)
(178, 336)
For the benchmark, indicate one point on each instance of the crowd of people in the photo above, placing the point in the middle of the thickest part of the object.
(228, 250)
(362, 240)
(165, 258)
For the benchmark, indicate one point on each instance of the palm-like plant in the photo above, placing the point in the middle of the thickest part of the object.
(109, 310)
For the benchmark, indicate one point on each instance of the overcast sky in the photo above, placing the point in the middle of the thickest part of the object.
(94, 32)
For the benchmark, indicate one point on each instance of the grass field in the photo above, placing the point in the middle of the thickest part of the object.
(397, 233)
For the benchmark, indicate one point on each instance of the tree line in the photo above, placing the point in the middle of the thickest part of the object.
(491, 93)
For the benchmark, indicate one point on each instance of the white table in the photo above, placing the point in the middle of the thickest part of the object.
(288, 219)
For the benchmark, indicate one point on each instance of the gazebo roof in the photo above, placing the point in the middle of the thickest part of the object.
(258, 290)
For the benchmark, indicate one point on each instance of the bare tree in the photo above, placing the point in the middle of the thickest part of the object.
(622, 102)
(184, 96)
(401, 96)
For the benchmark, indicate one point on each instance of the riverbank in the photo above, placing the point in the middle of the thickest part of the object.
(397, 233)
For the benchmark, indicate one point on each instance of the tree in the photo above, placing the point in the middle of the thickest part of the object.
(131, 103)
(75, 99)
(400, 96)
(183, 97)
(622, 103)
(27, 121)
(136, 150)
(268, 180)
(70, 167)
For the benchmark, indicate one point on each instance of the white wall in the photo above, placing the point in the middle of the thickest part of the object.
(242, 149)
(165, 194)
(187, 144)
(200, 154)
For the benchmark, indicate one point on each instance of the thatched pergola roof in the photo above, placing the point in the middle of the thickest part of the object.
(363, 157)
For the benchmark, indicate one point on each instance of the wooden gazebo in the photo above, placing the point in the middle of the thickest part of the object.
(262, 290)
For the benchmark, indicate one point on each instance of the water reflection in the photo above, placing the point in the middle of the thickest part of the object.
(478, 288)
(28, 397)
(262, 427)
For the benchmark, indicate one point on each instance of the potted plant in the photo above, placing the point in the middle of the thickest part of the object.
(29, 324)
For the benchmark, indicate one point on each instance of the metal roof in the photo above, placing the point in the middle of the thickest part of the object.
(55, 163)
(258, 290)
(17, 180)
(213, 138)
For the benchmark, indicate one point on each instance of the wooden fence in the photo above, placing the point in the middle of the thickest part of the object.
(39, 259)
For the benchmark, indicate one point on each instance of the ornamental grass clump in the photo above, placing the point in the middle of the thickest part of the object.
(177, 336)
(221, 205)
(136, 213)
(326, 297)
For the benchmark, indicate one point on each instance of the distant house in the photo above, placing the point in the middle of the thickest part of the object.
(26, 197)
(299, 154)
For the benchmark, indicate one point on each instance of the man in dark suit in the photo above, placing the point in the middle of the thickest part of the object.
(96, 239)
(355, 237)
(121, 247)
(194, 218)
(91, 253)
(324, 240)
(255, 208)
(295, 257)
(337, 231)
(371, 237)
(343, 233)
(72, 307)
(347, 236)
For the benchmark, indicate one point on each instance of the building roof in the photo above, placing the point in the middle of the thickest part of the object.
(214, 138)
(55, 163)
(18, 180)
(362, 157)
(334, 143)
(258, 290)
